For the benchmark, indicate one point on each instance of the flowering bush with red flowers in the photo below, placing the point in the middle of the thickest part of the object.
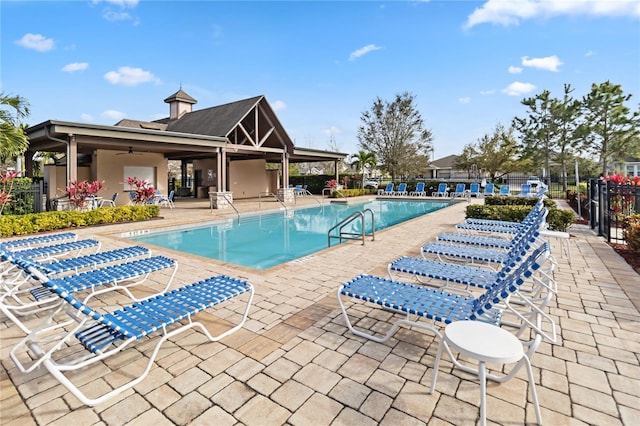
(622, 196)
(345, 180)
(143, 190)
(331, 183)
(620, 179)
(80, 192)
(6, 185)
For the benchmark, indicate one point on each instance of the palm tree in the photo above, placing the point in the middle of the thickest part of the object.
(13, 141)
(361, 160)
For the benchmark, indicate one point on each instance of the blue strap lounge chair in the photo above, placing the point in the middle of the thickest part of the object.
(491, 257)
(505, 190)
(474, 190)
(31, 242)
(76, 264)
(459, 277)
(503, 226)
(168, 200)
(435, 305)
(460, 191)
(24, 300)
(47, 252)
(97, 336)
(402, 190)
(109, 201)
(419, 192)
(388, 190)
(489, 189)
(92, 260)
(430, 309)
(443, 191)
(525, 190)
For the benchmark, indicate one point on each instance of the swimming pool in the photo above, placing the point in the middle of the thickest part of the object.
(262, 241)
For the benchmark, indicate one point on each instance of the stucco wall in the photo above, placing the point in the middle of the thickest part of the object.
(110, 169)
(247, 179)
(56, 178)
(205, 166)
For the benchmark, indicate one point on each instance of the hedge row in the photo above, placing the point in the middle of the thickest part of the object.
(32, 223)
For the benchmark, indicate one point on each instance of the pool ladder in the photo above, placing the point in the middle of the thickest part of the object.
(344, 235)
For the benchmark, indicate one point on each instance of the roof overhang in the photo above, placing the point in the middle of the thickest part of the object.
(53, 136)
(301, 155)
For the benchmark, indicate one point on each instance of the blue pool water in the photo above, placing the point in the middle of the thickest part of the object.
(265, 240)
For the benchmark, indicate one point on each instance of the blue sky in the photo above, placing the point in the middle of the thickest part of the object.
(320, 64)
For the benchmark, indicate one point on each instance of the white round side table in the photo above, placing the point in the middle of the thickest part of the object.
(488, 343)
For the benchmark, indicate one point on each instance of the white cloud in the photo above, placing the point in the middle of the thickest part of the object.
(590, 53)
(511, 12)
(36, 42)
(87, 118)
(121, 3)
(464, 100)
(363, 51)
(111, 15)
(514, 70)
(76, 66)
(331, 131)
(128, 76)
(278, 105)
(517, 88)
(488, 92)
(112, 114)
(549, 63)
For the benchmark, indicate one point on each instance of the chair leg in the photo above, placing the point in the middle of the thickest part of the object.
(436, 366)
(532, 383)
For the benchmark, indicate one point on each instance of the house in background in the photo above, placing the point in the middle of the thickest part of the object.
(445, 168)
(630, 167)
(226, 147)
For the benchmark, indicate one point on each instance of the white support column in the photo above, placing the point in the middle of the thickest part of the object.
(285, 169)
(219, 169)
(72, 159)
(223, 172)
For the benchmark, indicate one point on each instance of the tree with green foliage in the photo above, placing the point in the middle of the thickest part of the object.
(363, 160)
(538, 130)
(395, 132)
(611, 131)
(566, 114)
(13, 141)
(495, 153)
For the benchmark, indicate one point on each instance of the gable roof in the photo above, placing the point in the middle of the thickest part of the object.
(447, 162)
(214, 121)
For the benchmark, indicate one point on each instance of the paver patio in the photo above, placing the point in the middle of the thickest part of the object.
(296, 363)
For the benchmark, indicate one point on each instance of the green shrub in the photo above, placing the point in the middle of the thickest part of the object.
(21, 197)
(558, 219)
(31, 223)
(345, 193)
(517, 201)
(631, 232)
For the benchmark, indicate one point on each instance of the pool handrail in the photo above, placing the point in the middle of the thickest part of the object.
(350, 235)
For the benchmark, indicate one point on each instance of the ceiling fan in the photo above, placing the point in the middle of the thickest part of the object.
(129, 152)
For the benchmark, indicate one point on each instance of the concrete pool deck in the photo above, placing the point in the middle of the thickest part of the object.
(295, 362)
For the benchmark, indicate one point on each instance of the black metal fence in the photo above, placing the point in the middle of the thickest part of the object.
(557, 186)
(609, 203)
(28, 200)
